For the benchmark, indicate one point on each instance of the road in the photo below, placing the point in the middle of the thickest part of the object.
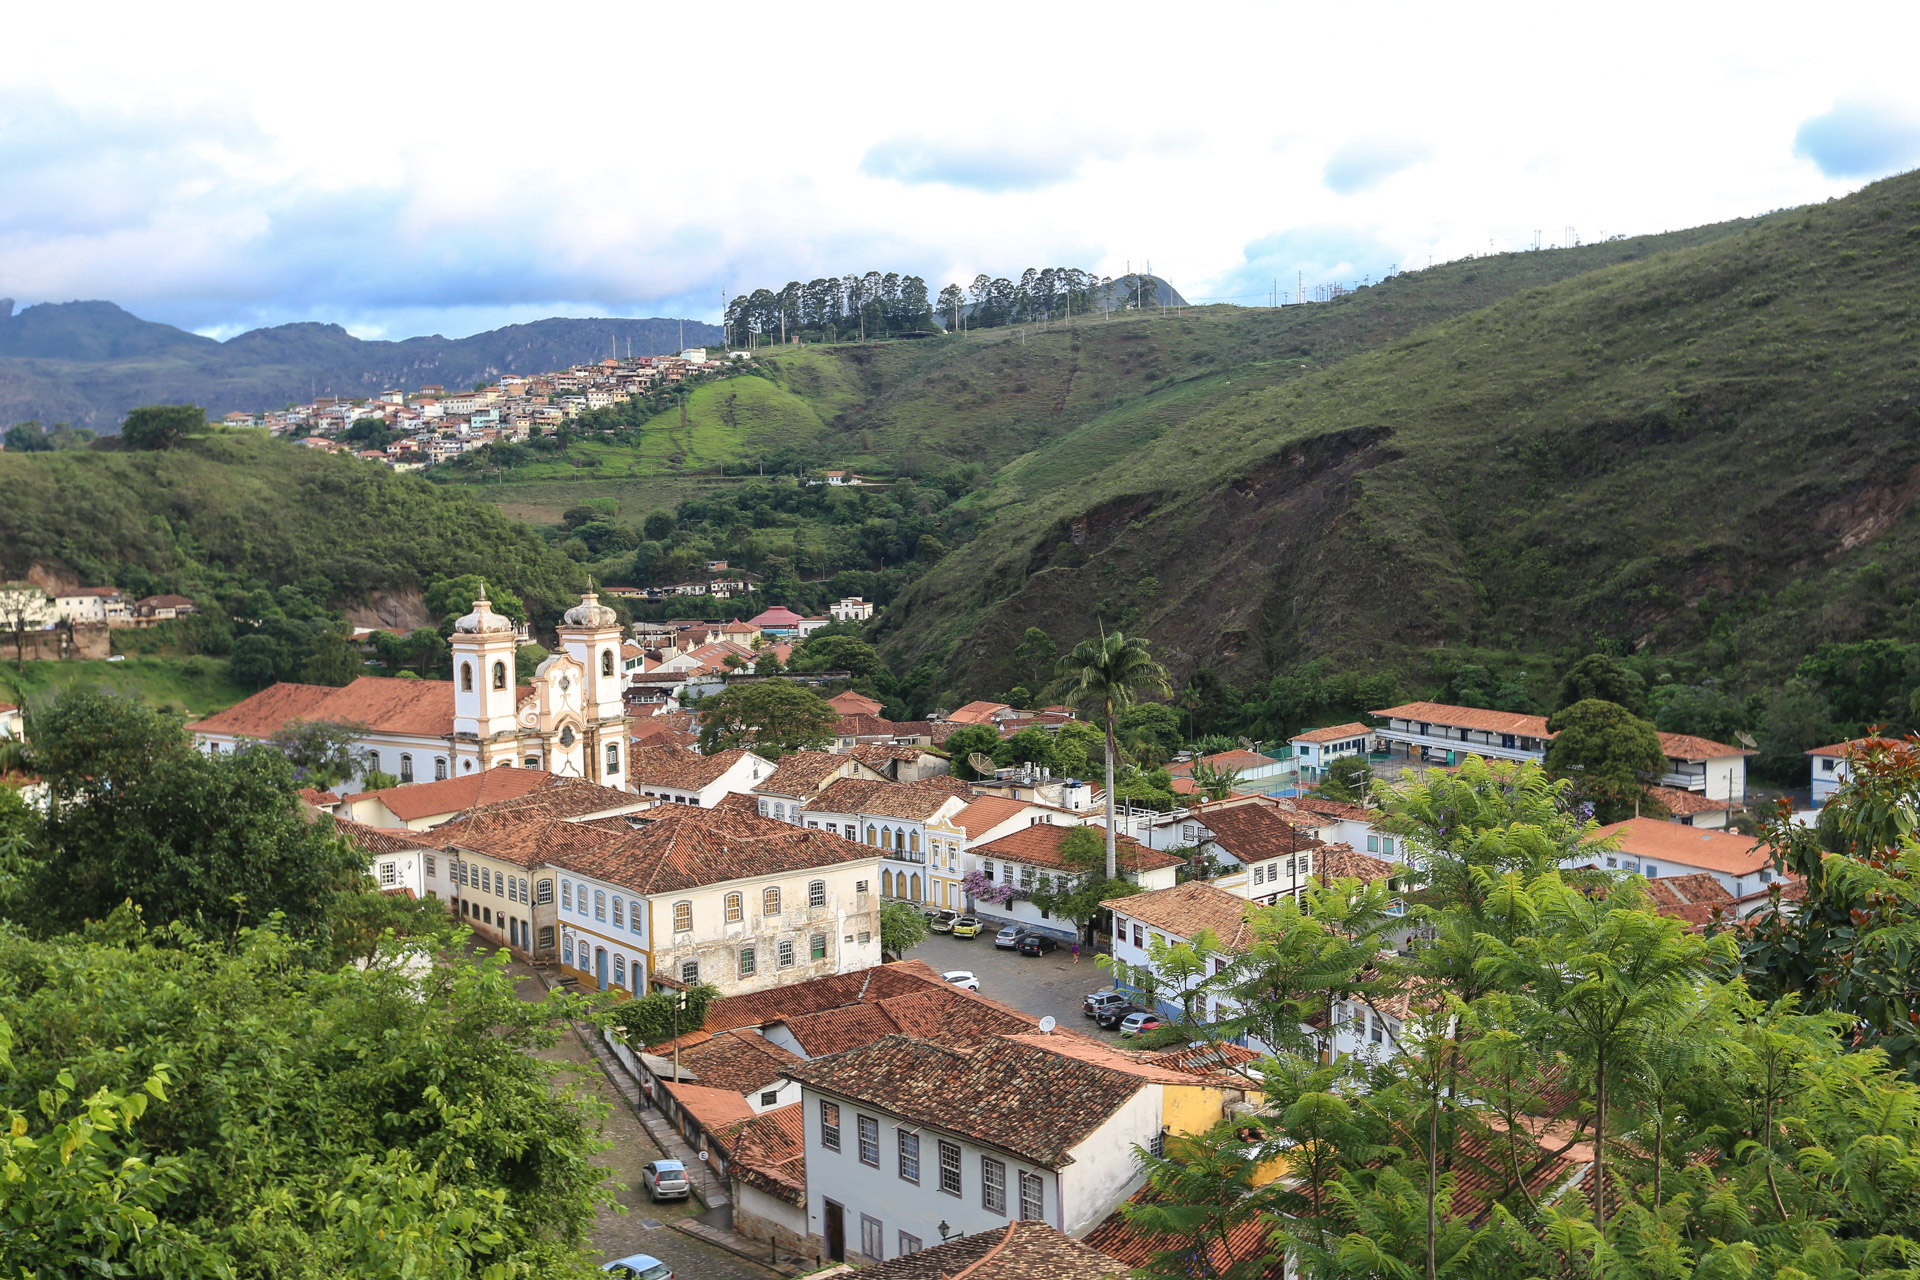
(1040, 985)
(645, 1227)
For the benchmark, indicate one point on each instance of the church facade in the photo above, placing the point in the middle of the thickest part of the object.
(569, 720)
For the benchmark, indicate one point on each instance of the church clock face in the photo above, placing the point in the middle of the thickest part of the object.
(566, 734)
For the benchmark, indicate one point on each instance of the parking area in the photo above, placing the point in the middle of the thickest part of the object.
(1039, 985)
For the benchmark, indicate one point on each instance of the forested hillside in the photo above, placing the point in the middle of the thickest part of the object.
(87, 363)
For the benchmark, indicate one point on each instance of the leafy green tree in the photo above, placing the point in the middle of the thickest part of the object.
(448, 1152)
(1216, 782)
(137, 814)
(903, 926)
(658, 526)
(1349, 778)
(1704, 710)
(1606, 678)
(1867, 682)
(1029, 746)
(1034, 657)
(527, 659)
(1077, 894)
(772, 717)
(967, 740)
(1075, 748)
(836, 653)
(162, 426)
(1109, 674)
(320, 751)
(651, 1019)
(449, 598)
(1611, 756)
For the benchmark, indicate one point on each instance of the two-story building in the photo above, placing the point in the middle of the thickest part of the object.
(912, 824)
(1264, 856)
(1832, 767)
(802, 775)
(1029, 858)
(1655, 848)
(1439, 733)
(904, 1136)
(1315, 750)
(850, 609)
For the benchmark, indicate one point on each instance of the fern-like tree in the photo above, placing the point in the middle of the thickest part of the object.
(1216, 782)
(1109, 674)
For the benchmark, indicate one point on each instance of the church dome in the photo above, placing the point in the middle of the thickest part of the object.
(482, 620)
(590, 613)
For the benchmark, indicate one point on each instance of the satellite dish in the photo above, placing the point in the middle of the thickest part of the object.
(1746, 739)
(1247, 743)
(981, 763)
(1047, 1024)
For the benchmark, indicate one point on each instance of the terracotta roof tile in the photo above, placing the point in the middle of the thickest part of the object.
(1684, 803)
(381, 703)
(1695, 898)
(1669, 843)
(1334, 733)
(913, 801)
(710, 1106)
(686, 848)
(1469, 718)
(1029, 1101)
(863, 725)
(663, 766)
(1019, 1251)
(1684, 746)
(1038, 845)
(741, 1060)
(1344, 862)
(768, 1152)
(1186, 909)
(1847, 748)
(263, 714)
(977, 712)
(382, 839)
(1338, 809)
(564, 798)
(1255, 833)
(986, 813)
(852, 704)
(804, 773)
(1223, 760)
(451, 795)
(1248, 1240)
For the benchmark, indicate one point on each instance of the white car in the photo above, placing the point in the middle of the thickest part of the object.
(962, 978)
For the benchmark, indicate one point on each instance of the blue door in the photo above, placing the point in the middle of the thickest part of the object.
(600, 966)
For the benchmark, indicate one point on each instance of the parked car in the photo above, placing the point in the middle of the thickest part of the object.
(665, 1180)
(962, 978)
(941, 921)
(1034, 944)
(1098, 1000)
(1136, 1023)
(966, 927)
(638, 1266)
(1009, 938)
(1114, 1014)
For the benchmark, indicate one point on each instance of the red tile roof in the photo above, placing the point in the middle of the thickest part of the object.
(1023, 1099)
(909, 996)
(1684, 746)
(1344, 862)
(1340, 809)
(1670, 843)
(1255, 833)
(1038, 845)
(1840, 749)
(853, 704)
(862, 725)
(1695, 898)
(741, 1061)
(262, 715)
(1235, 759)
(1186, 909)
(1334, 733)
(778, 616)
(1469, 718)
(977, 712)
(383, 704)
(665, 766)
(419, 800)
(913, 801)
(1248, 1240)
(987, 812)
(1681, 803)
(382, 839)
(768, 1152)
(804, 773)
(686, 848)
(1021, 1250)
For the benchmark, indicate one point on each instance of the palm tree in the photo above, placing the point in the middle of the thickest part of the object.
(1110, 673)
(1216, 782)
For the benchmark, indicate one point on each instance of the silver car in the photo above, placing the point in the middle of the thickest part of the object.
(665, 1180)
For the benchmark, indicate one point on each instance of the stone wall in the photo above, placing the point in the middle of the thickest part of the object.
(60, 643)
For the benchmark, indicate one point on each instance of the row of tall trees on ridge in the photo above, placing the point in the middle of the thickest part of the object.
(881, 304)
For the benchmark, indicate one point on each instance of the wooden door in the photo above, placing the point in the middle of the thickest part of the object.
(836, 1232)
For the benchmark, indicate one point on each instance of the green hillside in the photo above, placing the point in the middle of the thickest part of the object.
(231, 514)
(1709, 450)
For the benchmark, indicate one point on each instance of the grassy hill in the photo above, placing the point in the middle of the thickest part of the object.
(230, 514)
(89, 362)
(1710, 449)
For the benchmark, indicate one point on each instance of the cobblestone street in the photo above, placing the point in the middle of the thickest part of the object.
(614, 1234)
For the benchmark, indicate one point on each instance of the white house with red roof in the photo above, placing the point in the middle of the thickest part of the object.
(777, 621)
(1656, 848)
(1832, 766)
(1316, 749)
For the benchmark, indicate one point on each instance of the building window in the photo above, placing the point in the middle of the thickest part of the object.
(816, 893)
(389, 874)
(869, 1140)
(499, 675)
(993, 1185)
(913, 842)
(829, 1125)
(860, 886)
(1032, 1197)
(406, 767)
(634, 923)
(1373, 844)
(872, 1238)
(432, 866)
(690, 973)
(533, 762)
(618, 918)
(566, 894)
(865, 938)
(909, 1155)
(606, 662)
(1386, 845)
(817, 949)
(770, 901)
(747, 962)
(513, 889)
(873, 837)
(613, 758)
(566, 952)
(886, 884)
(373, 762)
(486, 880)
(439, 768)
(909, 1244)
(619, 971)
(544, 893)
(950, 1168)
(682, 917)
(986, 868)
(786, 953)
(546, 937)
(734, 910)
(466, 677)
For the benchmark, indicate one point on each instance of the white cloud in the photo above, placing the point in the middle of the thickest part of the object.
(433, 167)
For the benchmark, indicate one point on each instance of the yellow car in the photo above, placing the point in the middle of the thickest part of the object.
(966, 927)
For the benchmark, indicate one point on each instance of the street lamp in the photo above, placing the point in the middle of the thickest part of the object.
(944, 1229)
(679, 1003)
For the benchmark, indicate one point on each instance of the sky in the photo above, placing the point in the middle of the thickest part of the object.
(431, 168)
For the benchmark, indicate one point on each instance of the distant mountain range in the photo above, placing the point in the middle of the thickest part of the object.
(89, 362)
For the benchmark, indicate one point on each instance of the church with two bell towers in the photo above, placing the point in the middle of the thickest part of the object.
(570, 719)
